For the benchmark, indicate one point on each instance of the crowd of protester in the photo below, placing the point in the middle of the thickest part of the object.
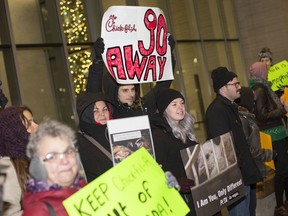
(45, 164)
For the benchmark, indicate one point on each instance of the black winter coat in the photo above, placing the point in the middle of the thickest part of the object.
(267, 113)
(94, 161)
(167, 152)
(251, 131)
(222, 117)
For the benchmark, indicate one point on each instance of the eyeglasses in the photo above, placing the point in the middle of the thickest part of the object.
(54, 156)
(236, 84)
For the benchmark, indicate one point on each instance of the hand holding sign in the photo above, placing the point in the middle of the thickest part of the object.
(137, 44)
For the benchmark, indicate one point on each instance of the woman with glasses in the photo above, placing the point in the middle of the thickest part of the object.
(16, 125)
(54, 167)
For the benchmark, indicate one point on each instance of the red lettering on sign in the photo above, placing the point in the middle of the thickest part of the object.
(151, 65)
(161, 61)
(150, 25)
(115, 62)
(132, 65)
(161, 50)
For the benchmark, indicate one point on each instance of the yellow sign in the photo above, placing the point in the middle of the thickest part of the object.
(278, 75)
(135, 186)
(285, 97)
(266, 143)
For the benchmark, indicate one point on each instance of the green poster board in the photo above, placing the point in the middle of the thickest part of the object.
(135, 186)
(278, 75)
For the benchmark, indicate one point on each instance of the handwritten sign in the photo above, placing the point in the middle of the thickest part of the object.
(135, 186)
(278, 75)
(136, 44)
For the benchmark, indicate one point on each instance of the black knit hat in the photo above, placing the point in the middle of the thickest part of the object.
(221, 76)
(165, 97)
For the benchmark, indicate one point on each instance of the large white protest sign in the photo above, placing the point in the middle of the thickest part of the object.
(136, 44)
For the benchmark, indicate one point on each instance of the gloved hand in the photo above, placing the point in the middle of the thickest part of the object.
(3, 99)
(99, 47)
(171, 42)
(172, 181)
(186, 184)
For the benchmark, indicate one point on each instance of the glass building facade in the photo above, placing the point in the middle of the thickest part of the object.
(46, 49)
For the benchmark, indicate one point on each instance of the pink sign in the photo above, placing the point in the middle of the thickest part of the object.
(136, 44)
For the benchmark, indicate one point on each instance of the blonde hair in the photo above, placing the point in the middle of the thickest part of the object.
(185, 128)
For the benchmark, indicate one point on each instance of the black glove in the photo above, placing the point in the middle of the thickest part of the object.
(99, 47)
(3, 99)
(185, 184)
(171, 42)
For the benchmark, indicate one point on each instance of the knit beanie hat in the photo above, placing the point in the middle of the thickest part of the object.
(165, 97)
(246, 98)
(221, 76)
(265, 53)
(259, 70)
(13, 134)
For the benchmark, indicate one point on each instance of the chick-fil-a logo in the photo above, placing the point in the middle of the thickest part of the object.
(112, 27)
(142, 61)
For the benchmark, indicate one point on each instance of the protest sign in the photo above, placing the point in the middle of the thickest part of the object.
(266, 143)
(136, 186)
(127, 135)
(278, 75)
(213, 167)
(136, 44)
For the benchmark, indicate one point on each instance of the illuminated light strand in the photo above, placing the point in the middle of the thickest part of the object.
(75, 31)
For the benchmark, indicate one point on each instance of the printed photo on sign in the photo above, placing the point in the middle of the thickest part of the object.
(136, 44)
(124, 144)
(213, 167)
(127, 135)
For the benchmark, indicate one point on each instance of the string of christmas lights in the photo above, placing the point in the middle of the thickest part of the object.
(75, 31)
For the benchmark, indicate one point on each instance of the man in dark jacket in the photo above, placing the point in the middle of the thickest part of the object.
(125, 98)
(222, 117)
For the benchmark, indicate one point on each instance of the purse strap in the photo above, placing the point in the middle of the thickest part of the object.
(50, 209)
(97, 144)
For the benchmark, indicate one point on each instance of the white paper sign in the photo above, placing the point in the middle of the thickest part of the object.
(136, 44)
(126, 135)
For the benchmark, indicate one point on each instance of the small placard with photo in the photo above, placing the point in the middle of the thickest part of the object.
(126, 135)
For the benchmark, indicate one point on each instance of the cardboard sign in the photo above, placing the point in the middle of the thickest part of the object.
(213, 167)
(135, 186)
(136, 44)
(278, 75)
(126, 135)
(266, 143)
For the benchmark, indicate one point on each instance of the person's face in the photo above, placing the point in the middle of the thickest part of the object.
(176, 110)
(126, 94)
(29, 122)
(267, 61)
(61, 162)
(101, 112)
(232, 89)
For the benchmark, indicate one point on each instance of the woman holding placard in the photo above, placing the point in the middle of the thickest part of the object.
(173, 130)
